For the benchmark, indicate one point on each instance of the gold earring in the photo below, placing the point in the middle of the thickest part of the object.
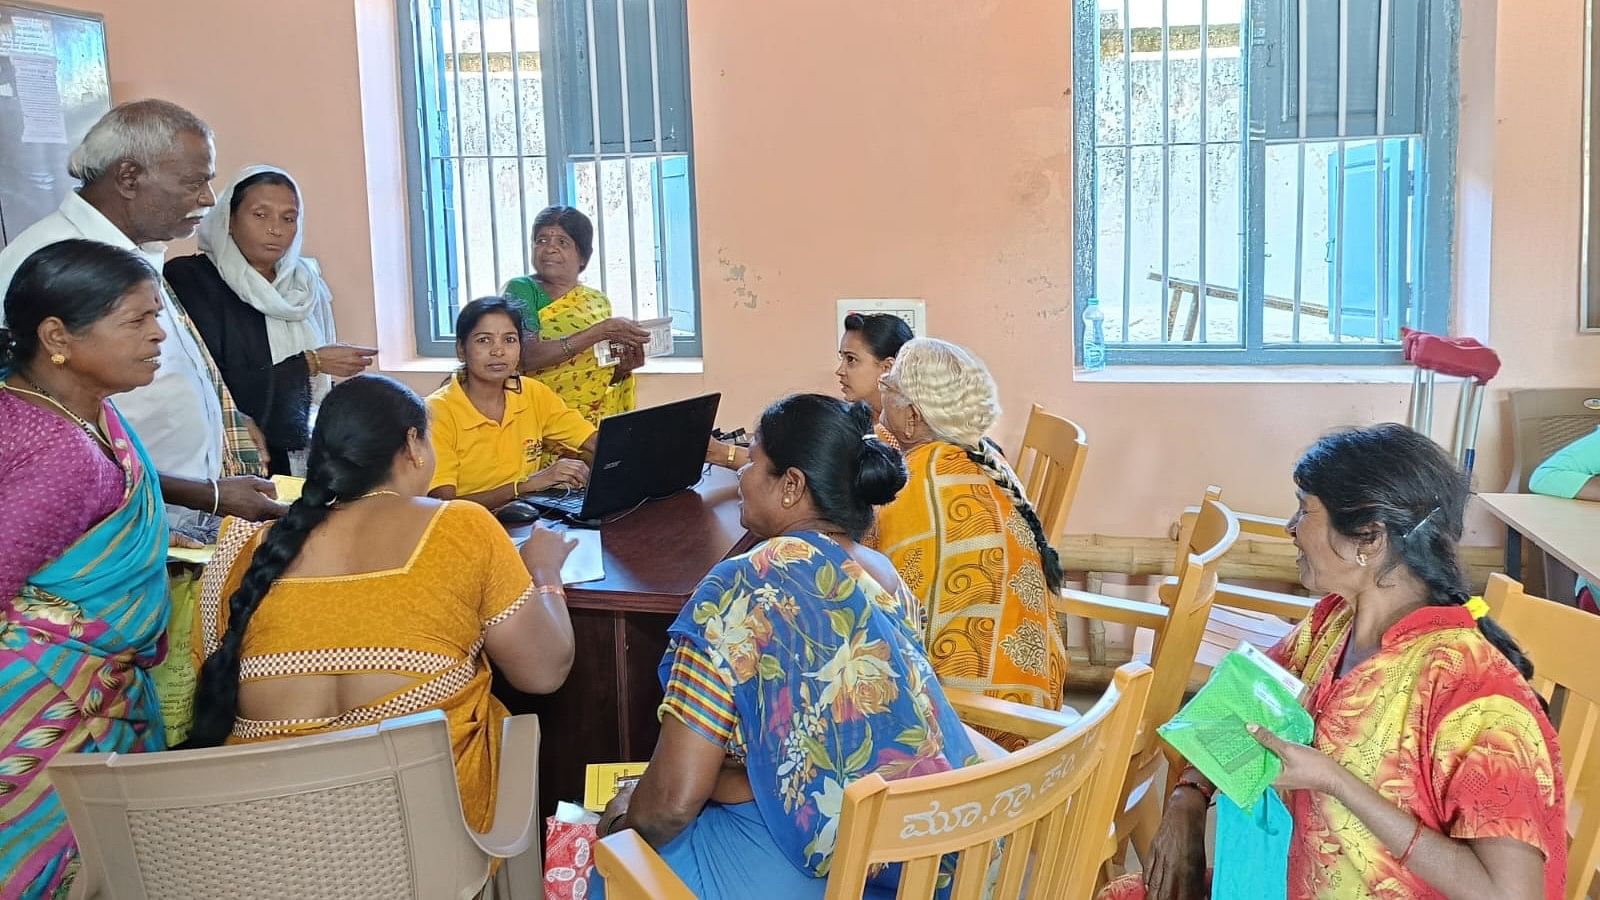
(58, 358)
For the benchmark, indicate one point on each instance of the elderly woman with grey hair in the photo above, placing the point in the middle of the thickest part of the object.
(964, 537)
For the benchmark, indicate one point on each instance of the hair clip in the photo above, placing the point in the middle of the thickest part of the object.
(869, 437)
(1425, 519)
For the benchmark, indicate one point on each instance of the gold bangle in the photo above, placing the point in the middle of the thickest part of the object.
(550, 590)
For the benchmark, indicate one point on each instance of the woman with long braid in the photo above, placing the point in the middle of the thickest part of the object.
(963, 536)
(370, 600)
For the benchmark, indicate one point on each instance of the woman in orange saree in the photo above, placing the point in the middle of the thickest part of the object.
(963, 535)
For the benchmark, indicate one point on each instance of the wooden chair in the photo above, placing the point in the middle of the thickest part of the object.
(1258, 616)
(1178, 623)
(1040, 815)
(369, 812)
(1050, 464)
(1559, 639)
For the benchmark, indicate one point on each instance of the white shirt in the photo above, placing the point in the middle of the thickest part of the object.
(178, 416)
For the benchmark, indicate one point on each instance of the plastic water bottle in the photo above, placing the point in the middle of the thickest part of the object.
(1094, 336)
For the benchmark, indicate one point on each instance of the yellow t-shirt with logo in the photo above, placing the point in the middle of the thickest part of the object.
(477, 454)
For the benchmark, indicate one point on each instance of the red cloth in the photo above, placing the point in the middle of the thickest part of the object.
(1586, 601)
(568, 859)
(1462, 357)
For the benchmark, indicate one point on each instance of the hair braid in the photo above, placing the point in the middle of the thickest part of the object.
(217, 687)
(1447, 586)
(365, 423)
(993, 464)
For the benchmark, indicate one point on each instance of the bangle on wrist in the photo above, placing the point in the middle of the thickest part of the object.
(1415, 836)
(566, 346)
(216, 495)
(1210, 794)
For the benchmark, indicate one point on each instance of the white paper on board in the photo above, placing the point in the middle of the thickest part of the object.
(29, 37)
(40, 98)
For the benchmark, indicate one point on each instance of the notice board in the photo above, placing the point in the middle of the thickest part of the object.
(54, 84)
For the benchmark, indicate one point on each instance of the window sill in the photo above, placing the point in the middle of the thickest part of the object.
(440, 365)
(1246, 375)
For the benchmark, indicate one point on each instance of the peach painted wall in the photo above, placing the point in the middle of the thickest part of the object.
(907, 148)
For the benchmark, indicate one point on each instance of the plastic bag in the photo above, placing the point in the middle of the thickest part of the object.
(569, 852)
(1252, 856)
(1210, 729)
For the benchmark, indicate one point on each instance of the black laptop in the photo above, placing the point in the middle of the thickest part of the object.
(642, 455)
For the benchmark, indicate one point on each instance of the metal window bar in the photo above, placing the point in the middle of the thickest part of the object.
(524, 238)
(1127, 166)
(627, 153)
(454, 158)
(1381, 168)
(594, 137)
(1166, 164)
(1336, 302)
(1303, 66)
(488, 146)
(658, 197)
(1205, 164)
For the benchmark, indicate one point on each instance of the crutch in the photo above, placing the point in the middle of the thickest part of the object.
(1431, 356)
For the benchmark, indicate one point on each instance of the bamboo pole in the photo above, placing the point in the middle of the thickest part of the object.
(1265, 560)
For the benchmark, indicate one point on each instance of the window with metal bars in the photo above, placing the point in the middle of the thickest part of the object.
(1264, 181)
(515, 105)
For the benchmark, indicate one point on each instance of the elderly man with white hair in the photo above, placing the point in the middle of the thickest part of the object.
(146, 170)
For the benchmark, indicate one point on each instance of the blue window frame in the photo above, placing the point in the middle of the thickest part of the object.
(1264, 181)
(515, 105)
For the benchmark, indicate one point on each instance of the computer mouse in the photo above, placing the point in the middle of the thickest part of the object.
(517, 512)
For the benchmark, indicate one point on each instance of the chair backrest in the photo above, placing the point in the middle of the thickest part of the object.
(369, 812)
(1212, 533)
(1050, 464)
(1546, 420)
(1040, 817)
(1558, 639)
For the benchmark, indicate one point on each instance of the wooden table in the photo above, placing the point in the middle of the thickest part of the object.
(1568, 530)
(654, 558)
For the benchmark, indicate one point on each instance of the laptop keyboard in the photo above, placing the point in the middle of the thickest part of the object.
(570, 503)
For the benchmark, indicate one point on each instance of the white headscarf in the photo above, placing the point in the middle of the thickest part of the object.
(297, 303)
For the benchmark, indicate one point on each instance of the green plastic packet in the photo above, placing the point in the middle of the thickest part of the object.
(1246, 688)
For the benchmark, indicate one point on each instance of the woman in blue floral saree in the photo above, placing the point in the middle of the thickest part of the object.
(792, 671)
(83, 542)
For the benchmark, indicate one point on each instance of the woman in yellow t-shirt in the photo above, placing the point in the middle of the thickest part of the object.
(491, 426)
